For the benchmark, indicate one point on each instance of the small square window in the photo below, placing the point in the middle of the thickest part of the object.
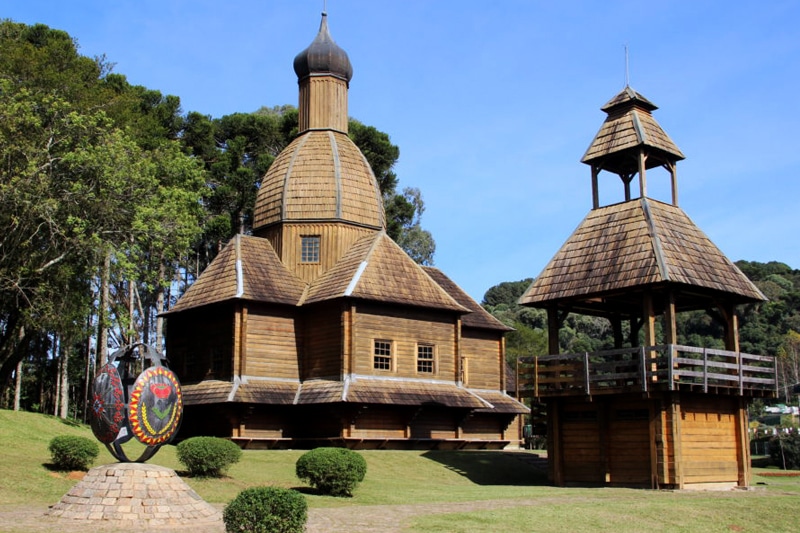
(382, 358)
(425, 358)
(309, 249)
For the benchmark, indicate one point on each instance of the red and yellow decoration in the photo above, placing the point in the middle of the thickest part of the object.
(156, 405)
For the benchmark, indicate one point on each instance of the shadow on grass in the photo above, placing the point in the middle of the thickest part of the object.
(516, 468)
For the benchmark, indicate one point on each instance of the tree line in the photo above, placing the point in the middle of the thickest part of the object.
(113, 200)
(765, 328)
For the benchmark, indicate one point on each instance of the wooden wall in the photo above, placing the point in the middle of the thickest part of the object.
(434, 423)
(405, 327)
(323, 104)
(482, 351)
(335, 239)
(674, 440)
(270, 342)
(484, 427)
(323, 342)
(709, 440)
(580, 443)
(381, 423)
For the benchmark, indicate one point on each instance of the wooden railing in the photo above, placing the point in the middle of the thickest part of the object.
(647, 368)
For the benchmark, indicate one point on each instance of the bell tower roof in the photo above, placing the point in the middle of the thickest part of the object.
(628, 127)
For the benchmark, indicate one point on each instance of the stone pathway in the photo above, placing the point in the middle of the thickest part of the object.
(352, 519)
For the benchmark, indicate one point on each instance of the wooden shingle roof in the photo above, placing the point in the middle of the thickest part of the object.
(247, 268)
(321, 175)
(635, 244)
(265, 391)
(629, 125)
(408, 392)
(206, 392)
(478, 316)
(500, 402)
(377, 269)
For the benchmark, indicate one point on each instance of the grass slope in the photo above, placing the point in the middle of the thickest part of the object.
(430, 480)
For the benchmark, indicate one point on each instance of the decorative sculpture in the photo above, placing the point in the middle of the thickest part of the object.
(148, 407)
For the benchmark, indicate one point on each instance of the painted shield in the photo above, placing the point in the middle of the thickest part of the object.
(108, 405)
(156, 406)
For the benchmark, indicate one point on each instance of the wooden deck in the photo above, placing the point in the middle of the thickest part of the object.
(645, 369)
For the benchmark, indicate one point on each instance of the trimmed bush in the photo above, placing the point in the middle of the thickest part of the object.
(332, 471)
(208, 456)
(266, 510)
(71, 452)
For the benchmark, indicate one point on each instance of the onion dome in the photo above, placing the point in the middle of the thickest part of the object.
(320, 176)
(323, 57)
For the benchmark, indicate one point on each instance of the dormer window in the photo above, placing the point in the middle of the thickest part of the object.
(309, 249)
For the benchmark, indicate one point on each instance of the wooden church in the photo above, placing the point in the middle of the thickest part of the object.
(650, 412)
(319, 329)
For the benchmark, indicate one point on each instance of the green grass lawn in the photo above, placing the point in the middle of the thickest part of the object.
(435, 477)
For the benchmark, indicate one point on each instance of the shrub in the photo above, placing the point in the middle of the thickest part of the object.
(332, 471)
(266, 510)
(70, 452)
(784, 450)
(208, 456)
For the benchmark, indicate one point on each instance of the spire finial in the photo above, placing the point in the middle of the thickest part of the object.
(627, 68)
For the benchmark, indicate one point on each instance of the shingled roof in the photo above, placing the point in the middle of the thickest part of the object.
(247, 268)
(629, 125)
(376, 268)
(478, 316)
(633, 244)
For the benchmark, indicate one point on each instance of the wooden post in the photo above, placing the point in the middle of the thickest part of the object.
(731, 325)
(742, 444)
(595, 188)
(649, 318)
(675, 429)
(670, 321)
(656, 435)
(553, 326)
(673, 174)
(616, 326)
(555, 457)
(642, 173)
(604, 427)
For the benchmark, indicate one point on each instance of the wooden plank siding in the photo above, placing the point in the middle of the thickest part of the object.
(323, 104)
(709, 439)
(271, 341)
(483, 351)
(335, 240)
(405, 328)
(484, 427)
(381, 423)
(323, 342)
(434, 423)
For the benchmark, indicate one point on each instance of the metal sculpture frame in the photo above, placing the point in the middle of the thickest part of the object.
(148, 406)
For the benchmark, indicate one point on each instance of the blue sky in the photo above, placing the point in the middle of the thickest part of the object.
(494, 103)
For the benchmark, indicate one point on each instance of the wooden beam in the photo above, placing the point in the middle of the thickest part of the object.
(554, 452)
(677, 438)
(616, 326)
(656, 435)
(595, 188)
(642, 173)
(673, 175)
(742, 444)
(553, 326)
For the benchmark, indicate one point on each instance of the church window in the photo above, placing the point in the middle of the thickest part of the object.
(425, 358)
(382, 358)
(309, 249)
